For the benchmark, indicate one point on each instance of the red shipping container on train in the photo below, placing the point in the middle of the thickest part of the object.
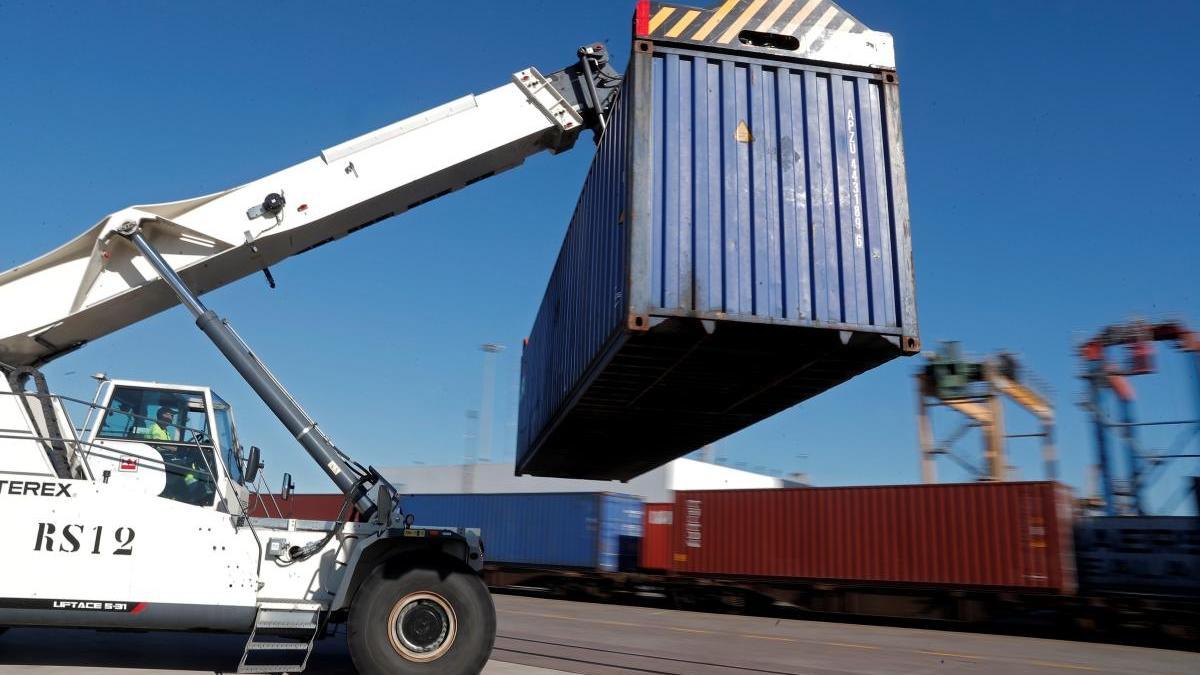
(655, 554)
(298, 506)
(974, 535)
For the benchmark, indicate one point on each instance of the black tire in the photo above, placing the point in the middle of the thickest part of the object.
(422, 621)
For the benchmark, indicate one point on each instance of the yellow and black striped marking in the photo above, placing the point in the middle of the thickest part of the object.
(810, 21)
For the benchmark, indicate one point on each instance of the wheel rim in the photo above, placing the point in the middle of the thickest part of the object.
(422, 626)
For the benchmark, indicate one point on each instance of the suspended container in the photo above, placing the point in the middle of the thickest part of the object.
(741, 243)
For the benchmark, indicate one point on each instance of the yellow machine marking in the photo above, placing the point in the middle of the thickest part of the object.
(845, 26)
(741, 21)
(794, 24)
(661, 17)
(769, 22)
(683, 23)
(975, 410)
(823, 21)
(715, 20)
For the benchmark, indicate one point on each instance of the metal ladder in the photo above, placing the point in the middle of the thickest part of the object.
(281, 630)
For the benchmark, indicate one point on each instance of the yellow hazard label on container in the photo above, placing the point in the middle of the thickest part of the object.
(680, 557)
(742, 134)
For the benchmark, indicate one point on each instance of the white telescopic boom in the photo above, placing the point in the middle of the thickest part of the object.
(98, 283)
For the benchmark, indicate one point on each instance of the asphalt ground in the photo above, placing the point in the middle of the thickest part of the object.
(590, 638)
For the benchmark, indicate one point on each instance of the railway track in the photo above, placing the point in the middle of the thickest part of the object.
(518, 649)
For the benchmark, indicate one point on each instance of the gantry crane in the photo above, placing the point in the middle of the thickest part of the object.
(976, 389)
(1124, 493)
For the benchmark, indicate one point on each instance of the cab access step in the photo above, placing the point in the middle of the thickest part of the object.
(282, 638)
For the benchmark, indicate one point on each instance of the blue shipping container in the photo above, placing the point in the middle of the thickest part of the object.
(595, 531)
(741, 244)
(1149, 554)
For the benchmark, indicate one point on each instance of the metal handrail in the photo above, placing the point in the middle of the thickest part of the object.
(260, 486)
(165, 464)
(111, 453)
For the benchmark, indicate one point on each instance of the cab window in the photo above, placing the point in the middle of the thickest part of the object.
(175, 424)
(227, 437)
(155, 415)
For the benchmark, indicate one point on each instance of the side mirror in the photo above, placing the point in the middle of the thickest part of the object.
(288, 486)
(253, 465)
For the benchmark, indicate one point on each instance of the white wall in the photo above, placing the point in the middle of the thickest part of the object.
(689, 474)
(654, 486)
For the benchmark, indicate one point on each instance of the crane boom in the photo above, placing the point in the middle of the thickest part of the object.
(99, 283)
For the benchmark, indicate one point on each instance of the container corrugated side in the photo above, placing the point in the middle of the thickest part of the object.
(583, 308)
(978, 535)
(774, 199)
(576, 530)
(1143, 554)
(620, 532)
(298, 506)
(763, 256)
(656, 537)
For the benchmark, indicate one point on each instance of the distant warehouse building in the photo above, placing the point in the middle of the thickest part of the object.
(657, 485)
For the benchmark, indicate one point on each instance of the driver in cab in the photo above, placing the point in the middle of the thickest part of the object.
(159, 429)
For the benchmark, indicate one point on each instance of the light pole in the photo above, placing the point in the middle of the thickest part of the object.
(470, 450)
(489, 349)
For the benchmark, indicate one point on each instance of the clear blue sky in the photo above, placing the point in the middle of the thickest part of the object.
(1054, 172)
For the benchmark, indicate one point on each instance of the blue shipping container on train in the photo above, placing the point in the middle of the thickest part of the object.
(1147, 554)
(741, 242)
(587, 530)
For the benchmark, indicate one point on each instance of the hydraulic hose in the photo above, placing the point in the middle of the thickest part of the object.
(57, 451)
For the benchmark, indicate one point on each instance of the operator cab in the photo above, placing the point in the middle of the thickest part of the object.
(177, 442)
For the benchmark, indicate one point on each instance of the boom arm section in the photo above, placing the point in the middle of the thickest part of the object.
(98, 283)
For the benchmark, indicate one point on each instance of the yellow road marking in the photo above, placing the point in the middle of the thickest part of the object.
(687, 630)
(742, 21)
(769, 22)
(614, 623)
(661, 17)
(683, 23)
(765, 637)
(850, 645)
(807, 9)
(537, 614)
(715, 20)
(953, 655)
(1068, 666)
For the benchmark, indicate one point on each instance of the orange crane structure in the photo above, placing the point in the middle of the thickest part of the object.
(976, 389)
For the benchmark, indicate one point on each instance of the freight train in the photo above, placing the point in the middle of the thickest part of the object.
(971, 552)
